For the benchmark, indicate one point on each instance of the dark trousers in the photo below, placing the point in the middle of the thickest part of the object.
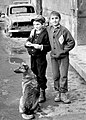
(38, 66)
(60, 73)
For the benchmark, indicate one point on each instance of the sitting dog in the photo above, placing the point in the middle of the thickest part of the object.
(29, 100)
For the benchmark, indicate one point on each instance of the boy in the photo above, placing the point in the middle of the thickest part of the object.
(61, 42)
(38, 45)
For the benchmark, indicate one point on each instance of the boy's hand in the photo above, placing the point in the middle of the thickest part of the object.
(28, 44)
(37, 46)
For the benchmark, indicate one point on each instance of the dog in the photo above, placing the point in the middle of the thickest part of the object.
(29, 101)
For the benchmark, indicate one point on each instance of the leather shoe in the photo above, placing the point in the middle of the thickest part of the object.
(42, 97)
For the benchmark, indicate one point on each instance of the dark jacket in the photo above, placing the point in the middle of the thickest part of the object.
(61, 41)
(42, 39)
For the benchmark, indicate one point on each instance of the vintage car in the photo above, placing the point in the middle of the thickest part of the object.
(19, 18)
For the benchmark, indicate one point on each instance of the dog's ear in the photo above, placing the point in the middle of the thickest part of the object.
(26, 67)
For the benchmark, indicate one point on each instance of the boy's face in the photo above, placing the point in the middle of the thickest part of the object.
(54, 20)
(37, 25)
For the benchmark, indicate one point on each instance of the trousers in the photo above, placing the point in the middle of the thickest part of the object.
(38, 66)
(60, 73)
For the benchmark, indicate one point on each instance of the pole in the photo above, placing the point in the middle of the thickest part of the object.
(39, 7)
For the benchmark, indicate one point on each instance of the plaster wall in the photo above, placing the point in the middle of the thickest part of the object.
(81, 23)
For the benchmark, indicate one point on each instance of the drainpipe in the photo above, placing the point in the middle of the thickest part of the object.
(39, 7)
(30, 1)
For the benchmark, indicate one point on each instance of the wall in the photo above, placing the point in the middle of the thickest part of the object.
(3, 4)
(57, 5)
(81, 22)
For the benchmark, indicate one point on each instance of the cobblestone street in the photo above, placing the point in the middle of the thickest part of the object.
(10, 88)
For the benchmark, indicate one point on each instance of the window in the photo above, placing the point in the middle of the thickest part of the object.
(22, 9)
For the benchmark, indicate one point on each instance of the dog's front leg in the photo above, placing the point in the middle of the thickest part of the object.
(21, 105)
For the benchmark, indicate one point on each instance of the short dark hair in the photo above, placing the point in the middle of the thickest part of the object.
(55, 13)
(39, 18)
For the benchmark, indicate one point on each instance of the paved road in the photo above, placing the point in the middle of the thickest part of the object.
(11, 55)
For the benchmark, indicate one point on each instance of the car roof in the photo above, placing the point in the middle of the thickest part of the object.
(21, 4)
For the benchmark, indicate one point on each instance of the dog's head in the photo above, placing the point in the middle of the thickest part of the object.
(26, 71)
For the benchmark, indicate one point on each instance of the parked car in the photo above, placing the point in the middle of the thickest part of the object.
(19, 18)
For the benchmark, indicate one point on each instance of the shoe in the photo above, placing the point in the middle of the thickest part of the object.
(64, 98)
(42, 97)
(57, 98)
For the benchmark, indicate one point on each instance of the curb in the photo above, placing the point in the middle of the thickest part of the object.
(78, 64)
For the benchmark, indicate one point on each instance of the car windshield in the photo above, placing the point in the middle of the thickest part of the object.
(22, 9)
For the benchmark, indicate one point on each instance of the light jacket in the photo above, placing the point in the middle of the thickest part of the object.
(61, 41)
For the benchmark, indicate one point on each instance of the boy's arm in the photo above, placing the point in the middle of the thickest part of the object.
(45, 46)
(29, 40)
(69, 42)
(31, 35)
(46, 43)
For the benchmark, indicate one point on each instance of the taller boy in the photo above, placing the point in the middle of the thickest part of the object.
(61, 42)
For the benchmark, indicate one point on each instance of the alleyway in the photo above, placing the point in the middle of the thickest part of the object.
(10, 88)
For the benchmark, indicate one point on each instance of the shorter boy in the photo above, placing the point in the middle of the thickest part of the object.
(61, 42)
(38, 45)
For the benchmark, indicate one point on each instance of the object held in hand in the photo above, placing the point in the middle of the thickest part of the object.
(36, 46)
(28, 44)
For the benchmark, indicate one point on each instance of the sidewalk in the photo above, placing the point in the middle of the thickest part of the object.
(78, 60)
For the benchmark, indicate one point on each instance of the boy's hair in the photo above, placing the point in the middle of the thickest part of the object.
(56, 14)
(39, 18)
